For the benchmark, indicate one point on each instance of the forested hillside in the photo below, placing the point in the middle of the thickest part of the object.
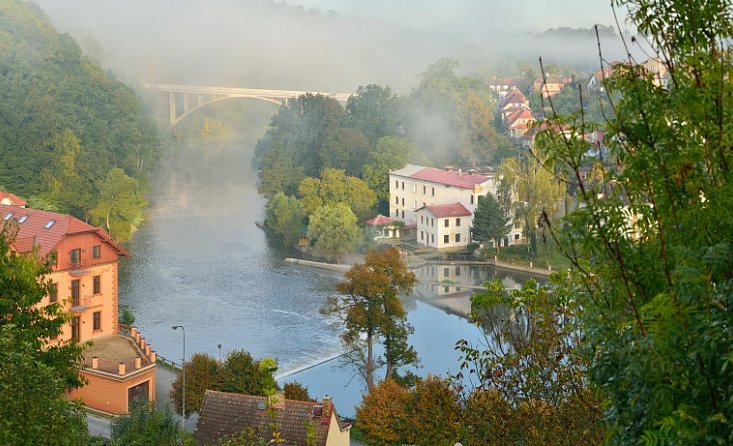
(72, 138)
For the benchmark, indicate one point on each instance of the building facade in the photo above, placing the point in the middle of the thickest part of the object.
(84, 281)
(444, 226)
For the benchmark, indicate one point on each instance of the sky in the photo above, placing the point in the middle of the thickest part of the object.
(324, 45)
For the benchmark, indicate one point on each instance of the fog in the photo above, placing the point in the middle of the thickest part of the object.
(324, 45)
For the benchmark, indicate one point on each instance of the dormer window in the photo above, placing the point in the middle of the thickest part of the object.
(22, 219)
(49, 224)
(8, 216)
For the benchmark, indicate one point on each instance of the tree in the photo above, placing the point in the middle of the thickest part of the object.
(121, 204)
(334, 230)
(296, 391)
(202, 374)
(284, 216)
(392, 152)
(381, 414)
(651, 245)
(489, 221)
(529, 378)
(334, 187)
(34, 372)
(369, 307)
(537, 189)
(375, 111)
(147, 426)
(432, 414)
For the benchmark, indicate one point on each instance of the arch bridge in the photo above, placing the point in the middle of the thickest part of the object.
(197, 96)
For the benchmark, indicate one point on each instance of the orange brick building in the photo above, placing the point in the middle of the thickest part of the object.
(119, 366)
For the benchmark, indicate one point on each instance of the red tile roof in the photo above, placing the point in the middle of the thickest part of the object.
(11, 199)
(32, 231)
(223, 414)
(464, 180)
(514, 97)
(379, 220)
(448, 210)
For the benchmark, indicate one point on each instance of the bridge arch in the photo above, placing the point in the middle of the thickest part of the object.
(204, 95)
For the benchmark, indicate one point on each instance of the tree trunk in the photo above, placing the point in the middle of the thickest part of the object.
(370, 363)
(388, 361)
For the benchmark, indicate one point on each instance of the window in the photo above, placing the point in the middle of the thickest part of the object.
(471, 199)
(433, 192)
(403, 201)
(97, 320)
(403, 185)
(53, 293)
(424, 190)
(446, 289)
(96, 251)
(422, 235)
(458, 270)
(446, 223)
(75, 257)
(403, 214)
(446, 238)
(75, 292)
(458, 222)
(458, 238)
(53, 258)
(396, 184)
(516, 236)
(446, 272)
(396, 213)
(432, 238)
(421, 219)
(96, 285)
(397, 200)
(432, 222)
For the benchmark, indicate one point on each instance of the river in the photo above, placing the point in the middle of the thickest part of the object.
(200, 261)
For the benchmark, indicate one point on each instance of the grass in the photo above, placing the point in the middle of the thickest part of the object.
(546, 256)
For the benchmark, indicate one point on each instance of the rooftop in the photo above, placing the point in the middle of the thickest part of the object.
(380, 220)
(448, 210)
(46, 229)
(455, 178)
(111, 350)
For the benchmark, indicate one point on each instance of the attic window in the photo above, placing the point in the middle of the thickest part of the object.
(49, 224)
(8, 216)
(317, 411)
(22, 219)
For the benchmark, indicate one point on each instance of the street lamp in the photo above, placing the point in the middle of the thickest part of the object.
(183, 365)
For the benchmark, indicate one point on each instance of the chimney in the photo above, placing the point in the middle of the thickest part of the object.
(327, 409)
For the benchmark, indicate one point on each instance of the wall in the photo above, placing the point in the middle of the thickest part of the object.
(438, 230)
(110, 395)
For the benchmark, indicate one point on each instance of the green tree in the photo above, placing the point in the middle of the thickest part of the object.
(375, 111)
(147, 426)
(529, 373)
(334, 187)
(121, 203)
(284, 216)
(392, 152)
(489, 221)
(369, 307)
(651, 245)
(202, 374)
(241, 373)
(334, 229)
(296, 391)
(278, 172)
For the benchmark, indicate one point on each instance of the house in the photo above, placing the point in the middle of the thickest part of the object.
(381, 227)
(414, 187)
(514, 101)
(12, 199)
(444, 226)
(119, 366)
(503, 86)
(518, 123)
(598, 78)
(225, 414)
(659, 71)
(550, 85)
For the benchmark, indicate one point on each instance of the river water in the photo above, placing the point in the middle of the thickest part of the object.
(200, 261)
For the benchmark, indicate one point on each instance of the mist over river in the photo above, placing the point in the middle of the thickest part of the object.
(200, 261)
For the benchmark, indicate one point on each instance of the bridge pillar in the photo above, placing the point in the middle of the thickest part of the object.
(185, 102)
(172, 107)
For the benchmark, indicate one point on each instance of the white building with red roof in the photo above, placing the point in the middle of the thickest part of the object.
(444, 226)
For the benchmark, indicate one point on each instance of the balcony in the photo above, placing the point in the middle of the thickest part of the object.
(78, 269)
(80, 305)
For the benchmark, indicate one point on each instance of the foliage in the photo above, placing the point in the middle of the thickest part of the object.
(335, 187)
(334, 230)
(651, 245)
(127, 317)
(23, 286)
(489, 221)
(121, 203)
(537, 191)
(370, 307)
(296, 391)
(147, 426)
(375, 111)
(391, 152)
(33, 407)
(240, 373)
(528, 379)
(284, 217)
(380, 416)
(66, 122)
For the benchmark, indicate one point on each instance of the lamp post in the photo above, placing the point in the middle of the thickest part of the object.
(183, 365)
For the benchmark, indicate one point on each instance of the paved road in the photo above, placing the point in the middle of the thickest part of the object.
(99, 426)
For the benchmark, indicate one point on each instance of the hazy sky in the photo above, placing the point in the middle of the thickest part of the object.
(269, 44)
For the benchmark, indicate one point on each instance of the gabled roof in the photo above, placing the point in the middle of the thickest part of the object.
(447, 210)
(11, 199)
(454, 178)
(514, 97)
(223, 414)
(519, 114)
(380, 220)
(35, 228)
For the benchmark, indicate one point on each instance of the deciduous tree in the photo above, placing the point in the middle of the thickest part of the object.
(121, 203)
(334, 229)
(284, 216)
